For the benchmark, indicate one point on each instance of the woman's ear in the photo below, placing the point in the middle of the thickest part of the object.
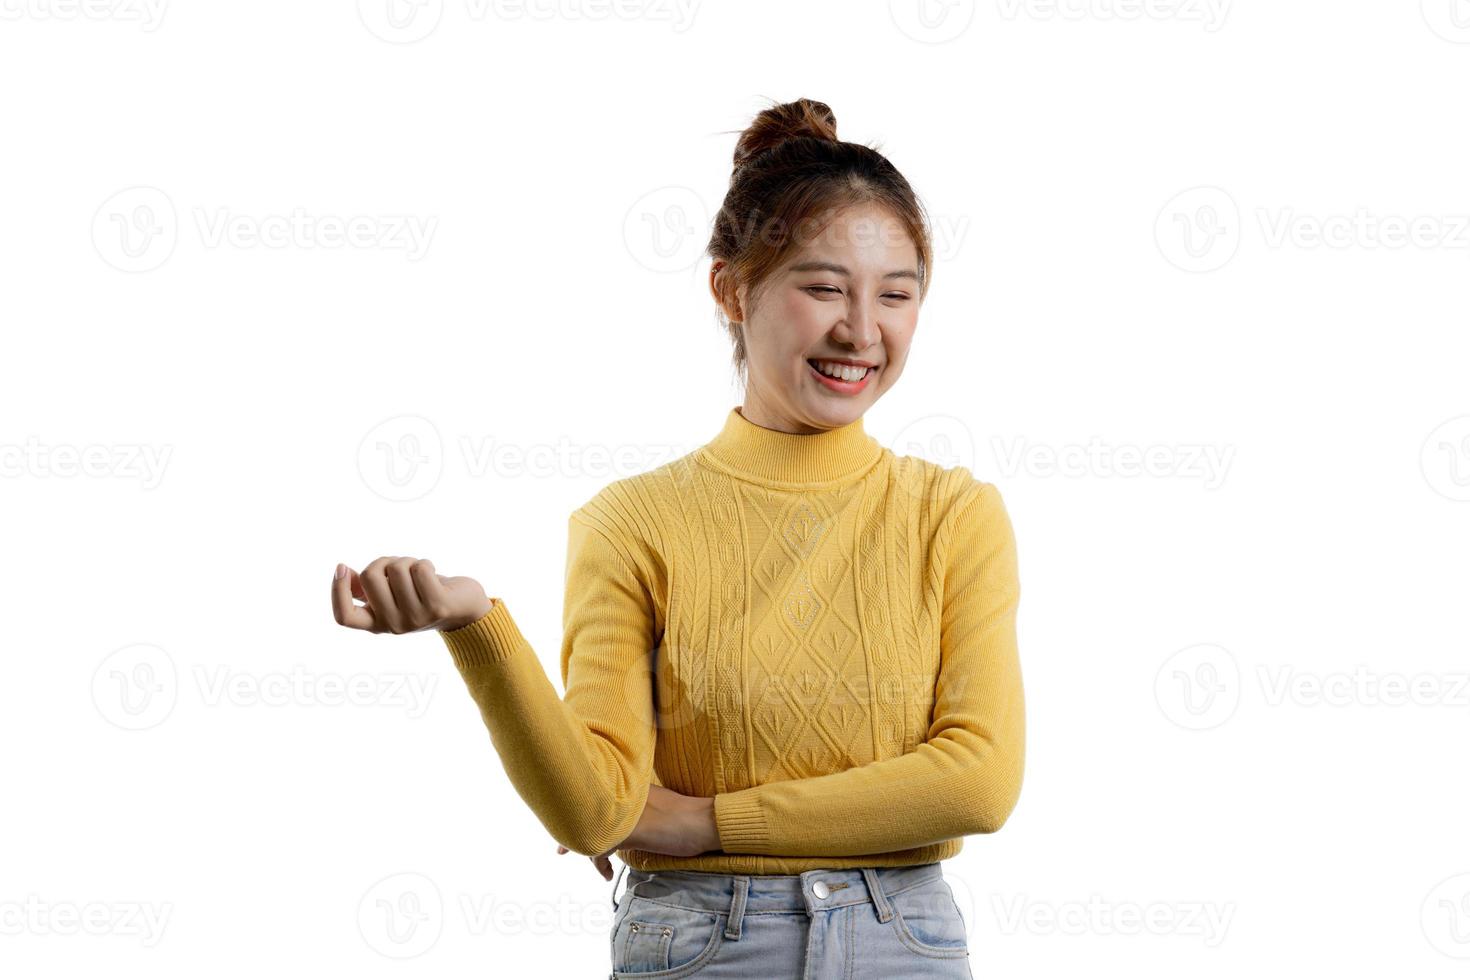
(719, 274)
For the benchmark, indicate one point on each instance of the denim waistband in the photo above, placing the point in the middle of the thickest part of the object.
(810, 891)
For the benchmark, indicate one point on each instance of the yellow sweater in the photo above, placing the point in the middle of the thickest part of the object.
(817, 632)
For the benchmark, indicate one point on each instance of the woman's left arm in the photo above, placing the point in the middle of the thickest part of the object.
(965, 778)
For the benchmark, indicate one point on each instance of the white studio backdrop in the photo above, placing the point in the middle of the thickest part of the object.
(290, 284)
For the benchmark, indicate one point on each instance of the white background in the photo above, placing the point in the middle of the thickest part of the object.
(1230, 238)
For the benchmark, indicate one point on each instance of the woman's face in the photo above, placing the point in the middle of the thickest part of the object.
(850, 292)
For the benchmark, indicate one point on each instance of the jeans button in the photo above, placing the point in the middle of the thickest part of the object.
(820, 889)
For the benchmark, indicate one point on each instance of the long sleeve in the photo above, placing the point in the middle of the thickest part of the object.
(584, 763)
(965, 778)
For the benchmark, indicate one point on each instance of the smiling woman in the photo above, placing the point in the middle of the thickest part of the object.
(792, 682)
(814, 229)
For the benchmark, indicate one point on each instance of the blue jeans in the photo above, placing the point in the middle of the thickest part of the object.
(877, 923)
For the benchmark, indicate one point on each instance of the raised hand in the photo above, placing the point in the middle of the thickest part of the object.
(405, 595)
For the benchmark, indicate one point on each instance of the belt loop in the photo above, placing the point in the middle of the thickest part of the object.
(875, 891)
(737, 906)
(617, 878)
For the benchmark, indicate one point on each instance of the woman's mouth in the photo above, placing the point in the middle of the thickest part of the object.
(841, 384)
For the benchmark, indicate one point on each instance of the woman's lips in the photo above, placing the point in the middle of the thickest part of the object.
(837, 384)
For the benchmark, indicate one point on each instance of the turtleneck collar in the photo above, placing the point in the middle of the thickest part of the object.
(776, 458)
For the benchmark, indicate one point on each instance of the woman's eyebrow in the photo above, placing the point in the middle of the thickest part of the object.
(817, 265)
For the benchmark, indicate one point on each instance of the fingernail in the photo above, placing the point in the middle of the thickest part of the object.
(341, 570)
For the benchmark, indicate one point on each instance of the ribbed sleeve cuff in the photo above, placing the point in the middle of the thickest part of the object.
(488, 640)
(741, 823)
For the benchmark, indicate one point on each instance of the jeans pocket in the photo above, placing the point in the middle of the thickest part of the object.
(928, 920)
(660, 942)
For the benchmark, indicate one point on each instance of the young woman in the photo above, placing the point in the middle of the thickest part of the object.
(792, 682)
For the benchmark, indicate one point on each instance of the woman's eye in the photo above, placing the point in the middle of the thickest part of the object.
(830, 290)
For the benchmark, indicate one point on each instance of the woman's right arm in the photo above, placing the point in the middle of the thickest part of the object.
(583, 764)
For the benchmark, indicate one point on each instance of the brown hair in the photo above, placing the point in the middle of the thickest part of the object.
(793, 173)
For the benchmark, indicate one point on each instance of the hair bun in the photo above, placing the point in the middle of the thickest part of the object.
(789, 120)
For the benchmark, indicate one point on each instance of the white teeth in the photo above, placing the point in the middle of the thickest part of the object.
(844, 372)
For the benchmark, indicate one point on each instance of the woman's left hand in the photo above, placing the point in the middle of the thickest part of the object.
(671, 823)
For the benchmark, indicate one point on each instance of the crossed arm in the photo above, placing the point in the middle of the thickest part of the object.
(965, 778)
(584, 763)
